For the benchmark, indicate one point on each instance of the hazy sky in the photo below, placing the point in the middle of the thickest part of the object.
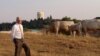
(27, 9)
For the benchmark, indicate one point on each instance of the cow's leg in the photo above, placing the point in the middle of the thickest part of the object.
(80, 32)
(74, 33)
(57, 26)
(85, 32)
(57, 30)
(71, 32)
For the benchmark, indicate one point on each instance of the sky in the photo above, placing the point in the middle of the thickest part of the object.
(27, 9)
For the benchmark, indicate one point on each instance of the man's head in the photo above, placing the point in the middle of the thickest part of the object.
(18, 20)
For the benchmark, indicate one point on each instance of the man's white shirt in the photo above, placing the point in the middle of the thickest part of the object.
(17, 31)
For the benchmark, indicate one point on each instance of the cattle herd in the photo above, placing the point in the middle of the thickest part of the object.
(82, 28)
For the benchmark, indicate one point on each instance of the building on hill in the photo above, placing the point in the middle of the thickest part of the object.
(40, 15)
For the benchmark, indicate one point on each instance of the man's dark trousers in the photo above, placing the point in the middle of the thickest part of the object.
(19, 44)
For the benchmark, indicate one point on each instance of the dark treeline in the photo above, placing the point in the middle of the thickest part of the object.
(34, 24)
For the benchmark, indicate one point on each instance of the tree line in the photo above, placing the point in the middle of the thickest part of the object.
(36, 23)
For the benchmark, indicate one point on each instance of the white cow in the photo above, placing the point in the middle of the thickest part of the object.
(90, 25)
(76, 29)
(56, 26)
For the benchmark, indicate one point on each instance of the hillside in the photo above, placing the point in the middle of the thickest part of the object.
(52, 45)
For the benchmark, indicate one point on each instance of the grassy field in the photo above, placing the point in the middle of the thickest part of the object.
(52, 45)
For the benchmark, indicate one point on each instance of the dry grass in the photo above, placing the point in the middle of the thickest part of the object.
(52, 45)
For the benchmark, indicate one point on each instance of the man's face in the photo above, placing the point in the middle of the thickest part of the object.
(18, 20)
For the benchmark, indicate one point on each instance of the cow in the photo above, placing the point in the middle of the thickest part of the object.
(76, 29)
(57, 26)
(90, 25)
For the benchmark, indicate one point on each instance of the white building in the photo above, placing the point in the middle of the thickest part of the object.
(40, 15)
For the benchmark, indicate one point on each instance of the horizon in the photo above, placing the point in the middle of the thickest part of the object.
(27, 9)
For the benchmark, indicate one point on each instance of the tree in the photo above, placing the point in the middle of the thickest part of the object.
(51, 17)
(48, 20)
(66, 18)
(97, 17)
(76, 21)
(25, 24)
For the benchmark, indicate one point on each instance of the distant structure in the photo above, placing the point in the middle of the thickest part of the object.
(40, 15)
(97, 19)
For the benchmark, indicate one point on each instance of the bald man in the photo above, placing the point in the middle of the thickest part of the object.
(18, 36)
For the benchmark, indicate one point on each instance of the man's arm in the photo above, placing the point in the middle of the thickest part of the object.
(13, 31)
(22, 32)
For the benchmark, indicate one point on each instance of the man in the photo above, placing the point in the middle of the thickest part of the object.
(18, 36)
